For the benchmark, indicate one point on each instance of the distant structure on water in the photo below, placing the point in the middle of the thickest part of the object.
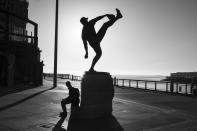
(189, 77)
(19, 53)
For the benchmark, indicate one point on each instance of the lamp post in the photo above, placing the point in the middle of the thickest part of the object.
(56, 46)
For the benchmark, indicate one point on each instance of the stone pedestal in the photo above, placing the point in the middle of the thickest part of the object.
(97, 92)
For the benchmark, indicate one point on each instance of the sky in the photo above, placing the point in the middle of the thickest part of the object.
(154, 37)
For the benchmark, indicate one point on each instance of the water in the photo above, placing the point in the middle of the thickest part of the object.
(141, 77)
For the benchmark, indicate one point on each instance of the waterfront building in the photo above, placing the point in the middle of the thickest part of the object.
(183, 77)
(187, 75)
(19, 53)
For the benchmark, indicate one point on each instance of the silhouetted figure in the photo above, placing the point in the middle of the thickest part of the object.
(72, 99)
(94, 39)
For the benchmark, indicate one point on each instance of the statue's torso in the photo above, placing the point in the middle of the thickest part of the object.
(89, 33)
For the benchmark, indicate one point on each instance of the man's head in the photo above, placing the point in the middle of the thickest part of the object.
(68, 84)
(84, 20)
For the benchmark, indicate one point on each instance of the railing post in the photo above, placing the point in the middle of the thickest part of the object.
(145, 85)
(186, 88)
(129, 83)
(114, 81)
(122, 82)
(177, 85)
(155, 85)
(118, 82)
(166, 86)
(171, 87)
(191, 89)
(137, 83)
(194, 89)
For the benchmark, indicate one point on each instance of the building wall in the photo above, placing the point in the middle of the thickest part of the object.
(19, 7)
(19, 59)
(15, 25)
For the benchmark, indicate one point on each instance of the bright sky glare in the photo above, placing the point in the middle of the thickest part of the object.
(155, 37)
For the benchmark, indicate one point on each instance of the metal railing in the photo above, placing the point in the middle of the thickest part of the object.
(8, 32)
(164, 86)
(64, 76)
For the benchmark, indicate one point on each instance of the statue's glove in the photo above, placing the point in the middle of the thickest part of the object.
(86, 56)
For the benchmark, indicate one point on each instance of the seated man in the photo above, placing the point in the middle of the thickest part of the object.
(72, 99)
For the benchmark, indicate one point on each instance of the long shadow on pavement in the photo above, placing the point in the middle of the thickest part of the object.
(6, 91)
(100, 124)
(23, 100)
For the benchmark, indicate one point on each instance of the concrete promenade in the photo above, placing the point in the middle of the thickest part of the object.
(37, 109)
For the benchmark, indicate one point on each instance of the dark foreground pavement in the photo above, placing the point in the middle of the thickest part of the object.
(133, 110)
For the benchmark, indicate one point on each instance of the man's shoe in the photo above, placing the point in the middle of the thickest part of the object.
(91, 70)
(63, 114)
(119, 15)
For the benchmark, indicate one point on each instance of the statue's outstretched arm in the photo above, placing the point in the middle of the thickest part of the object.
(85, 47)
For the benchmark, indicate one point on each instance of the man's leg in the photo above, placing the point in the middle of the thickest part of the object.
(63, 105)
(96, 58)
(112, 19)
(101, 33)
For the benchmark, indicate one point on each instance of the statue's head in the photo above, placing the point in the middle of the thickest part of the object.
(84, 20)
(68, 84)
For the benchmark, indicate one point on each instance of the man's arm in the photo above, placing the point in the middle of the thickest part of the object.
(85, 47)
(97, 19)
